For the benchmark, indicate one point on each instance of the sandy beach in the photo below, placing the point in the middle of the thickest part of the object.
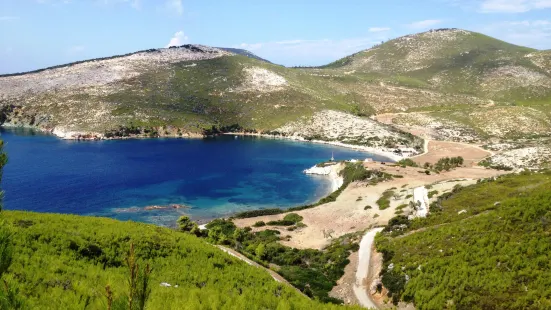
(375, 151)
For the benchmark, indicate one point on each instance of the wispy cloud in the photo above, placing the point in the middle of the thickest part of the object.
(178, 39)
(175, 6)
(424, 24)
(8, 18)
(513, 6)
(312, 52)
(533, 33)
(378, 29)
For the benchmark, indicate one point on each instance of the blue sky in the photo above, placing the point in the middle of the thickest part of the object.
(40, 33)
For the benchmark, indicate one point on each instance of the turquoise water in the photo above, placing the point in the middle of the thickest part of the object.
(118, 179)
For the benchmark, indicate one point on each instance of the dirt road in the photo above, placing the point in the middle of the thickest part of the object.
(361, 287)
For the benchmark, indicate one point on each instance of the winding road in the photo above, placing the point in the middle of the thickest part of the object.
(361, 287)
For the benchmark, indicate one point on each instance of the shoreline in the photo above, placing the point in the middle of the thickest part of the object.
(368, 149)
(95, 136)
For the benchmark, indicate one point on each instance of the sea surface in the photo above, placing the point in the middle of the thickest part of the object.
(119, 179)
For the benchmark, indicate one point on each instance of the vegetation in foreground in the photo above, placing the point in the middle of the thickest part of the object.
(493, 255)
(66, 262)
(314, 272)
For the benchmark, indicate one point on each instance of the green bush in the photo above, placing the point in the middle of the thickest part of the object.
(407, 163)
(495, 258)
(293, 217)
(384, 201)
(66, 262)
(281, 223)
(259, 224)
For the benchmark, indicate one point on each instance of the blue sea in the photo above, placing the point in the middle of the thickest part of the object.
(119, 179)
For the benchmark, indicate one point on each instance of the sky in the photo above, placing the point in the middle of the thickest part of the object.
(40, 33)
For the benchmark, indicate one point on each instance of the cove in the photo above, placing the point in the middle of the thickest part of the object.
(120, 178)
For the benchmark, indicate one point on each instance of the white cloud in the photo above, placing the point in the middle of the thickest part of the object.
(378, 29)
(175, 6)
(531, 33)
(513, 6)
(178, 39)
(424, 24)
(8, 18)
(76, 49)
(311, 52)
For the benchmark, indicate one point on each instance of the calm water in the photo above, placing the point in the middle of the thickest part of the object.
(216, 177)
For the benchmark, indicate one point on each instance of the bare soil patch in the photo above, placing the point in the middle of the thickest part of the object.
(472, 154)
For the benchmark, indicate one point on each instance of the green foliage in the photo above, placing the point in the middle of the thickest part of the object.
(293, 217)
(448, 163)
(260, 212)
(314, 272)
(259, 224)
(66, 262)
(407, 163)
(488, 164)
(432, 193)
(384, 201)
(186, 225)
(496, 258)
(281, 223)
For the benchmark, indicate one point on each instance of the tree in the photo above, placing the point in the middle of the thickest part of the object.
(186, 225)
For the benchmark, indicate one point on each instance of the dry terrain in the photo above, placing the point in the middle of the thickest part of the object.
(349, 214)
(472, 154)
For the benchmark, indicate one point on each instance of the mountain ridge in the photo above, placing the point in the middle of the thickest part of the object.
(463, 85)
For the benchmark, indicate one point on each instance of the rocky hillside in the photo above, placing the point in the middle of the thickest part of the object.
(461, 85)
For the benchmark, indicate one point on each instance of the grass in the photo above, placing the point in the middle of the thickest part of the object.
(495, 258)
(384, 201)
(66, 262)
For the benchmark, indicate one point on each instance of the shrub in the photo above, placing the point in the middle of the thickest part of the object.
(384, 201)
(281, 223)
(407, 163)
(293, 217)
(259, 224)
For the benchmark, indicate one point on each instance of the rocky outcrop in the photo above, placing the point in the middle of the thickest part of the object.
(346, 128)
(530, 157)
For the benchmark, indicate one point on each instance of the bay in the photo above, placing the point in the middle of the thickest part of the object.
(119, 179)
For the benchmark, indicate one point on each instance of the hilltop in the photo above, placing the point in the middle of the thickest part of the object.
(445, 84)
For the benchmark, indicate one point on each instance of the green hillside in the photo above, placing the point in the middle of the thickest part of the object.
(435, 72)
(66, 262)
(493, 255)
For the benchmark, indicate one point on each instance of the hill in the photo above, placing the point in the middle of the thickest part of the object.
(453, 84)
(66, 262)
(482, 247)
(243, 52)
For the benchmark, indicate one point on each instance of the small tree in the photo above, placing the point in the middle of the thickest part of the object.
(138, 282)
(186, 225)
